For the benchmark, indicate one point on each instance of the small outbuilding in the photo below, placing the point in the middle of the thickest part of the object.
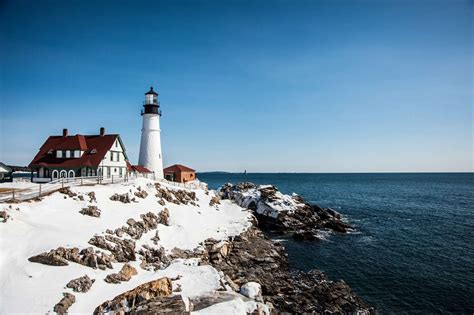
(138, 170)
(6, 173)
(179, 173)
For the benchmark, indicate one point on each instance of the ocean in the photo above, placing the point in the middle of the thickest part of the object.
(412, 250)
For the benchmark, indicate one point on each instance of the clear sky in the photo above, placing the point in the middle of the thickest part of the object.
(278, 86)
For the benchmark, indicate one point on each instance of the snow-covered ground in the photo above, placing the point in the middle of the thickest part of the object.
(37, 227)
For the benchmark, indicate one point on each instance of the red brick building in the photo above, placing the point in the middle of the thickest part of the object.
(179, 173)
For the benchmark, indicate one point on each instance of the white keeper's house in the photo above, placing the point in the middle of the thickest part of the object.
(68, 156)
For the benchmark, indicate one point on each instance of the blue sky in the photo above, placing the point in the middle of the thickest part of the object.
(277, 86)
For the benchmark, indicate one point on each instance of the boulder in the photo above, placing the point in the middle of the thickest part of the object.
(252, 290)
(4, 216)
(125, 274)
(65, 303)
(92, 211)
(137, 296)
(82, 284)
(92, 197)
(124, 198)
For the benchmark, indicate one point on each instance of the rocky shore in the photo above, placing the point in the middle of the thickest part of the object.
(252, 258)
(282, 213)
(157, 249)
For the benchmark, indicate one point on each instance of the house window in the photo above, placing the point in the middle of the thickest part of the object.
(59, 154)
(111, 156)
(118, 156)
(68, 154)
(116, 143)
(120, 171)
(77, 153)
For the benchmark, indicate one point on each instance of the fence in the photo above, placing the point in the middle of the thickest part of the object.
(38, 190)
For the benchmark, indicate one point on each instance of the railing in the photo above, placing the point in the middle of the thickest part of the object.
(42, 189)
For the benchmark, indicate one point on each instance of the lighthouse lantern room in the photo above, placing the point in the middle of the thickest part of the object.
(150, 145)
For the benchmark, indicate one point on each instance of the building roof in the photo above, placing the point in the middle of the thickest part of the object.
(137, 168)
(178, 168)
(141, 169)
(6, 167)
(151, 92)
(95, 147)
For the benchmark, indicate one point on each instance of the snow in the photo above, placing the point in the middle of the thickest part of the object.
(55, 221)
(235, 306)
(280, 203)
(251, 290)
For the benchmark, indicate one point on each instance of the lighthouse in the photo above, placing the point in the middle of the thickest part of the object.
(150, 145)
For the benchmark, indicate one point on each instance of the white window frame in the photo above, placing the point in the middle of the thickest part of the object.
(59, 154)
(68, 154)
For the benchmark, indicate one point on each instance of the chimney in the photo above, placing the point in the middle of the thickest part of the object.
(102, 131)
(64, 132)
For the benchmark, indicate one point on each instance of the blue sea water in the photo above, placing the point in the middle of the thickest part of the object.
(413, 248)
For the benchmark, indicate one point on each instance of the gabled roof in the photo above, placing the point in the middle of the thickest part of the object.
(141, 169)
(6, 167)
(178, 167)
(137, 168)
(95, 147)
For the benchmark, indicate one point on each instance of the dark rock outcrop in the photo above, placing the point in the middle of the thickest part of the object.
(153, 258)
(283, 213)
(4, 216)
(253, 257)
(123, 250)
(124, 198)
(125, 274)
(138, 296)
(82, 284)
(65, 303)
(92, 211)
(87, 257)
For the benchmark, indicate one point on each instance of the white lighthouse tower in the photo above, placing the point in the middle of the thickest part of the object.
(150, 146)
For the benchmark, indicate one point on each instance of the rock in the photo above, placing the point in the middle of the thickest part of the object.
(215, 201)
(67, 191)
(131, 222)
(82, 284)
(124, 198)
(92, 196)
(282, 213)
(141, 193)
(204, 301)
(143, 293)
(51, 259)
(122, 249)
(153, 258)
(304, 235)
(125, 274)
(256, 261)
(252, 290)
(92, 211)
(65, 303)
(164, 216)
(87, 257)
(173, 304)
(4, 216)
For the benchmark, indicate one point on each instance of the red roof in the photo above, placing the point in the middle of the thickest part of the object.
(95, 147)
(141, 169)
(178, 168)
(137, 168)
